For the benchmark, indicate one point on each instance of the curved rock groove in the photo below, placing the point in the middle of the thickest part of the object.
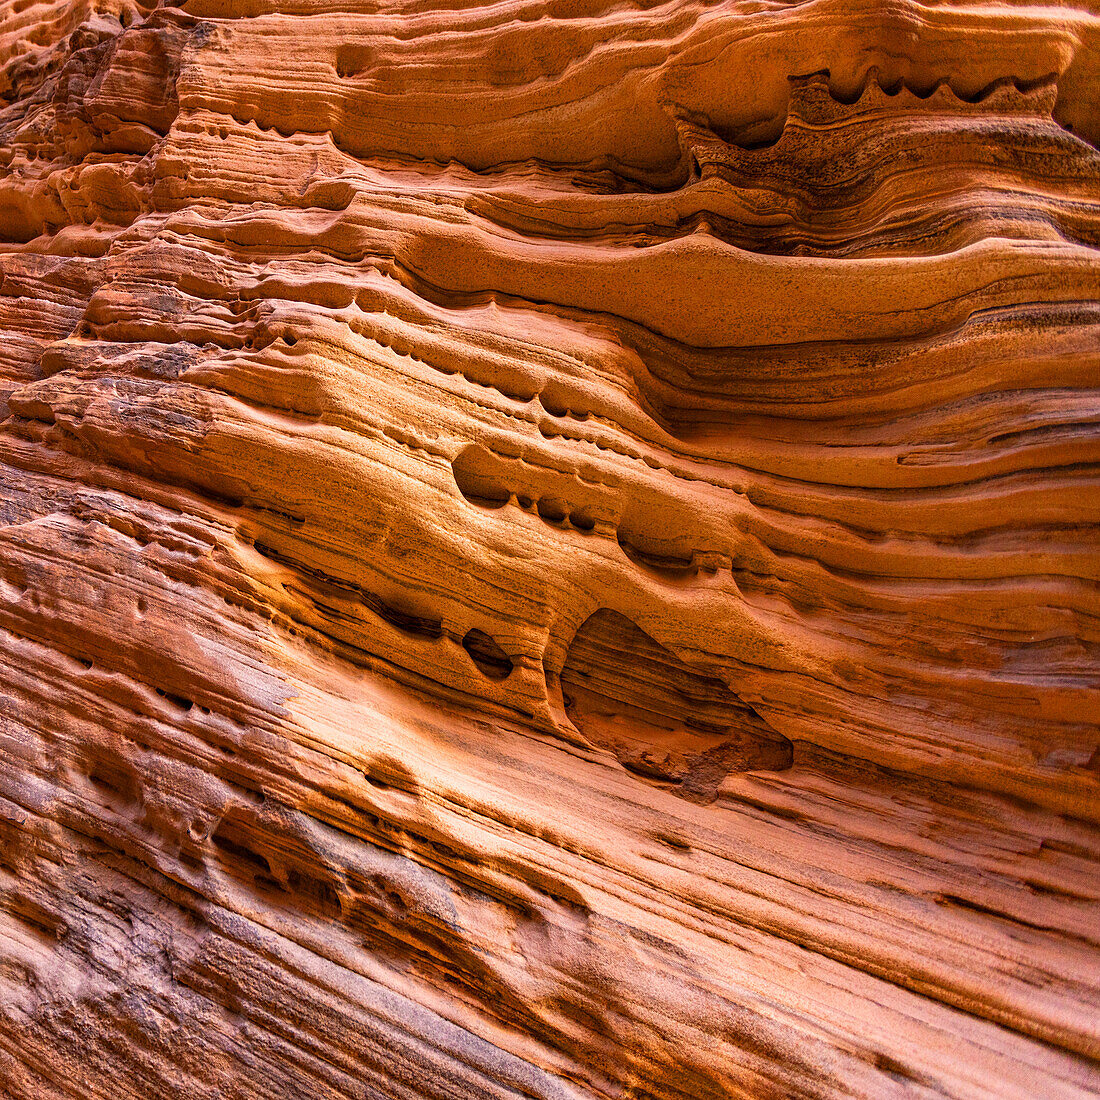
(549, 549)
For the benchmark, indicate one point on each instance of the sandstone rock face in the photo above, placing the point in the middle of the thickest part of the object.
(549, 549)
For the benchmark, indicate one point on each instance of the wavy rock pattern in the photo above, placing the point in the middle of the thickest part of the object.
(549, 549)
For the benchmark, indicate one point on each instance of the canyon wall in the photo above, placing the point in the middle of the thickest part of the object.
(549, 549)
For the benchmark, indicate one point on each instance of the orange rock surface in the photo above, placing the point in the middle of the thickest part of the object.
(549, 549)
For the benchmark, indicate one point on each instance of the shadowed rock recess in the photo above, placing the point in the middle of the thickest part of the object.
(549, 550)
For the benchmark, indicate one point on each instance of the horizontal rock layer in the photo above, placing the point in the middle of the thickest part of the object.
(549, 550)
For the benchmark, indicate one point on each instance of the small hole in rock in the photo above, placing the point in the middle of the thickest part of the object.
(551, 510)
(487, 655)
(234, 847)
(351, 60)
(180, 701)
(476, 475)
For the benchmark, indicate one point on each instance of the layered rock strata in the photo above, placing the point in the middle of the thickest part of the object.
(549, 550)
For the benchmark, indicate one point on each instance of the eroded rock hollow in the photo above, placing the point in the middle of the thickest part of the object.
(549, 549)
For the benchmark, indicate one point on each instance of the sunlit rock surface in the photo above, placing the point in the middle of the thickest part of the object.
(549, 549)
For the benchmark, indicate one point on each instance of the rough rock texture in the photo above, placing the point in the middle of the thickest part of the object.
(549, 549)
